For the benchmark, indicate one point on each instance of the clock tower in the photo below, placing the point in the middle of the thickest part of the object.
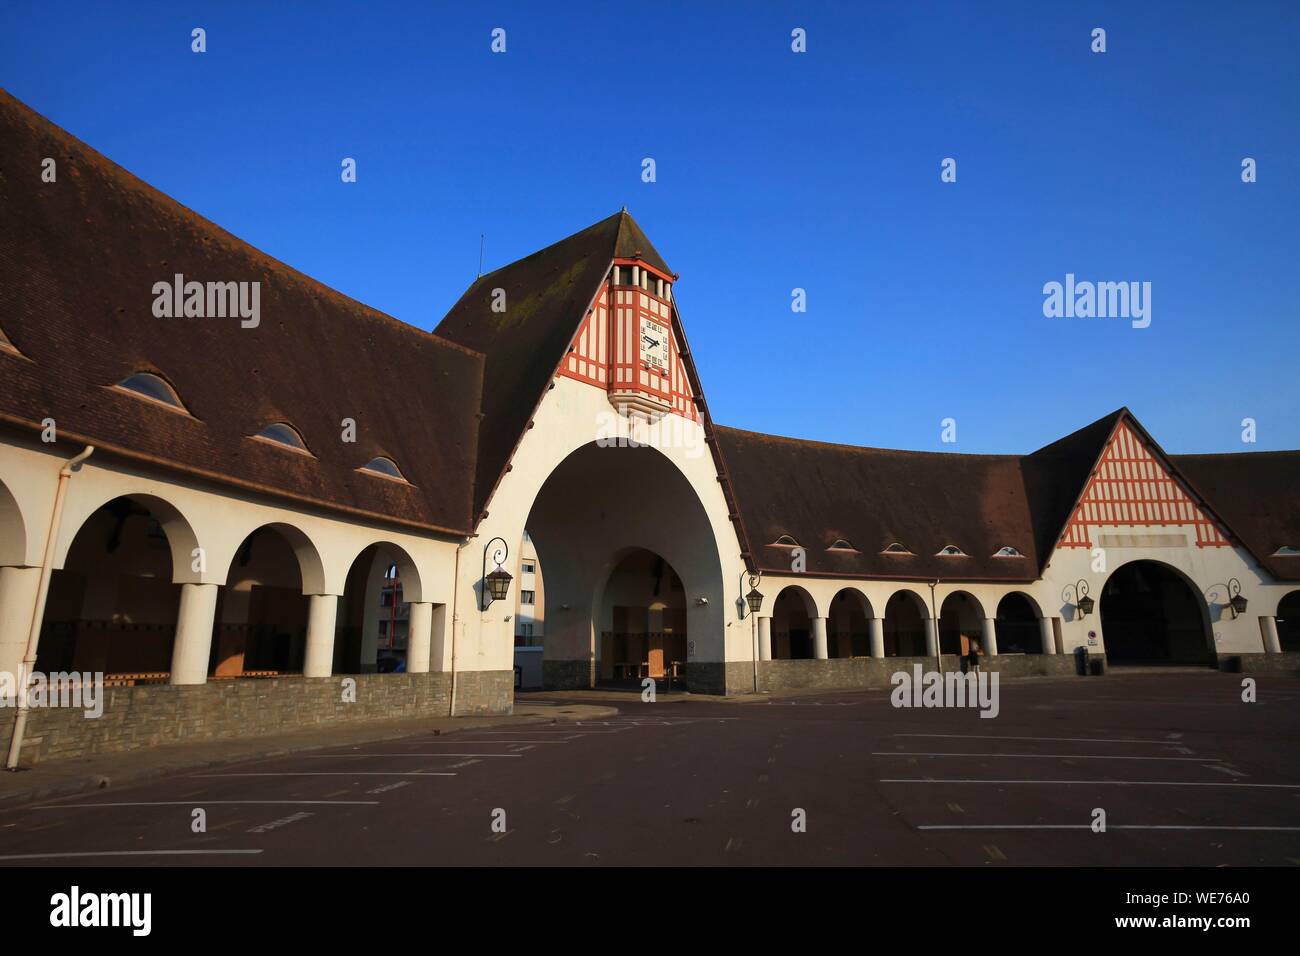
(644, 350)
(630, 342)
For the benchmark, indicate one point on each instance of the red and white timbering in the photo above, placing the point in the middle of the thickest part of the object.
(1131, 488)
(630, 344)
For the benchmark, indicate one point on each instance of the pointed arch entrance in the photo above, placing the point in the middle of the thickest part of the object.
(1288, 623)
(642, 619)
(608, 518)
(1152, 614)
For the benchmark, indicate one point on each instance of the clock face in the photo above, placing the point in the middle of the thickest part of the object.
(654, 344)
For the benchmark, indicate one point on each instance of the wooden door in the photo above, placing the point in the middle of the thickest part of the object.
(655, 657)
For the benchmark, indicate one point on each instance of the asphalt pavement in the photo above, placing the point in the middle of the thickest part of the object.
(1181, 771)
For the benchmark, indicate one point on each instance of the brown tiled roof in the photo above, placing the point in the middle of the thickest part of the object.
(873, 497)
(79, 258)
(1056, 475)
(1258, 496)
(547, 295)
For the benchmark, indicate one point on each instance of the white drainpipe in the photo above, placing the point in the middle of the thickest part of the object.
(42, 592)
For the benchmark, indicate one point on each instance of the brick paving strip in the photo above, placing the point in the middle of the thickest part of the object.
(60, 778)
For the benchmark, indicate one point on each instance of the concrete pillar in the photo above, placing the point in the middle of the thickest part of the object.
(419, 638)
(18, 587)
(819, 638)
(193, 644)
(1268, 626)
(764, 638)
(319, 659)
(440, 643)
(876, 636)
(1048, 635)
(990, 638)
(931, 637)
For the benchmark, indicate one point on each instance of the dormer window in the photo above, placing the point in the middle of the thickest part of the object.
(895, 548)
(1287, 551)
(785, 541)
(384, 468)
(1007, 552)
(153, 387)
(841, 545)
(952, 551)
(282, 433)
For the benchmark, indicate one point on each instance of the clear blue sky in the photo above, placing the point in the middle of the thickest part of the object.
(775, 170)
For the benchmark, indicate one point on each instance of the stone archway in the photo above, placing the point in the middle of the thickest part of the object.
(793, 613)
(905, 625)
(1151, 613)
(595, 506)
(641, 621)
(1019, 624)
(115, 592)
(961, 619)
(1288, 623)
(848, 624)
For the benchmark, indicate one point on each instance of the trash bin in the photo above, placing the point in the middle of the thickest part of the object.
(1081, 661)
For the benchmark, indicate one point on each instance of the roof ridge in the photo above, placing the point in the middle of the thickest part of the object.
(547, 248)
(872, 448)
(1110, 417)
(1235, 454)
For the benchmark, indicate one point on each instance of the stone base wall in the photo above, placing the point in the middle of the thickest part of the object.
(566, 675)
(840, 673)
(1287, 662)
(484, 693)
(847, 673)
(151, 715)
(720, 679)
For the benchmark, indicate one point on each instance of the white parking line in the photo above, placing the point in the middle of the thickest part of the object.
(66, 856)
(1071, 740)
(200, 802)
(913, 753)
(333, 773)
(444, 754)
(1086, 826)
(1108, 783)
(427, 743)
(1228, 770)
(556, 733)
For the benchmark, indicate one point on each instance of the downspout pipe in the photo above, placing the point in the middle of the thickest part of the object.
(455, 623)
(38, 614)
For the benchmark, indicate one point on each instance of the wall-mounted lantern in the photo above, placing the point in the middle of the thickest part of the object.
(1081, 601)
(754, 599)
(497, 584)
(1238, 601)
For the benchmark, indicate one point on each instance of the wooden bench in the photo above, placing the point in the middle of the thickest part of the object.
(130, 680)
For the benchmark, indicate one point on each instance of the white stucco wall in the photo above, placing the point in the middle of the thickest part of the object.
(205, 527)
(572, 416)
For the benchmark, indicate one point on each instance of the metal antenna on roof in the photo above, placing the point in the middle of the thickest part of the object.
(480, 252)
